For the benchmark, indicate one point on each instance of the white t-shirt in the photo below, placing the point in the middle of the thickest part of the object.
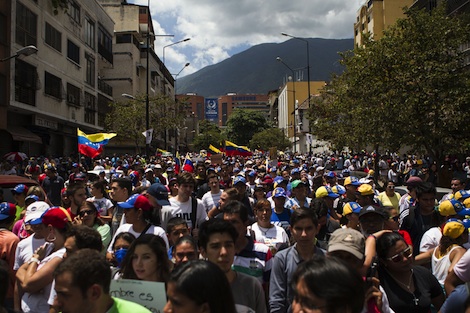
(273, 237)
(209, 200)
(155, 230)
(430, 239)
(101, 204)
(25, 250)
(37, 302)
(183, 210)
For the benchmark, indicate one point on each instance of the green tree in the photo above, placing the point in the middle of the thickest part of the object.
(408, 88)
(209, 134)
(127, 118)
(243, 124)
(271, 137)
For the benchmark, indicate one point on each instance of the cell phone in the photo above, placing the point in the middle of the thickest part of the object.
(371, 272)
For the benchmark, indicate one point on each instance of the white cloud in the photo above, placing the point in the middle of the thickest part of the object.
(220, 28)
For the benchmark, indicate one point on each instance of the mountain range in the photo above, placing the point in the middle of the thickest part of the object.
(256, 70)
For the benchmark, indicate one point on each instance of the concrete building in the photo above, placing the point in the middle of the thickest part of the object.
(44, 97)
(194, 110)
(375, 16)
(135, 65)
(292, 111)
(232, 101)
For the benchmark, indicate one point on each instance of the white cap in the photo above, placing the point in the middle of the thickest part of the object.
(35, 211)
(158, 166)
(149, 170)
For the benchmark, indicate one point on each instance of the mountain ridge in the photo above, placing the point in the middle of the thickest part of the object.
(256, 70)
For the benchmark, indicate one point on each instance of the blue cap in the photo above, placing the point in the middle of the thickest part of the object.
(239, 179)
(33, 197)
(273, 169)
(330, 174)
(252, 174)
(159, 193)
(279, 192)
(295, 161)
(278, 179)
(295, 171)
(21, 188)
(236, 169)
(7, 210)
(75, 165)
(129, 203)
(339, 189)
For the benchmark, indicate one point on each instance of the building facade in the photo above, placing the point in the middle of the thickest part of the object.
(48, 95)
(375, 16)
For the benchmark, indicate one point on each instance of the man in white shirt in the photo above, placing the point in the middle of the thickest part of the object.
(211, 198)
(184, 205)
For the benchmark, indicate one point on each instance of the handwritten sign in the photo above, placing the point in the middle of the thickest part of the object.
(151, 295)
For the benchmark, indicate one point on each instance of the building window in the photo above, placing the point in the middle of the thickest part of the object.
(3, 25)
(90, 108)
(90, 69)
(103, 109)
(74, 11)
(26, 26)
(90, 33)
(53, 37)
(73, 95)
(52, 85)
(105, 44)
(25, 82)
(73, 52)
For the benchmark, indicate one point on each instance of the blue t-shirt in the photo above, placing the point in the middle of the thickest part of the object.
(282, 220)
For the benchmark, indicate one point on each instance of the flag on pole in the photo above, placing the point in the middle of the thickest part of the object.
(92, 145)
(177, 163)
(214, 149)
(188, 165)
(232, 149)
(148, 136)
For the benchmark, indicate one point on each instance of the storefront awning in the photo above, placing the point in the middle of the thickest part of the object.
(19, 133)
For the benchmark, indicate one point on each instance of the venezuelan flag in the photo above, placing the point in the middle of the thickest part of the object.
(232, 149)
(214, 149)
(188, 165)
(92, 145)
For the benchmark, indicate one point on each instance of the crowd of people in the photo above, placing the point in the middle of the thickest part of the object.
(297, 234)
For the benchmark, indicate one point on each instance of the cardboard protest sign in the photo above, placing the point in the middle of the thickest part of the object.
(151, 295)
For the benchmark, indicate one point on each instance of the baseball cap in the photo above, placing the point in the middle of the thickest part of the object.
(80, 176)
(75, 165)
(338, 189)
(57, 217)
(296, 183)
(365, 190)
(462, 194)
(34, 211)
(413, 181)
(294, 171)
(279, 192)
(160, 193)
(325, 191)
(129, 203)
(149, 170)
(453, 228)
(365, 180)
(21, 188)
(267, 180)
(31, 197)
(158, 166)
(452, 207)
(278, 179)
(352, 180)
(349, 240)
(330, 174)
(351, 207)
(239, 179)
(252, 174)
(142, 202)
(372, 210)
(7, 210)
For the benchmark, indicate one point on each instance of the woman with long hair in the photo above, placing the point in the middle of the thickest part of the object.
(199, 286)
(147, 259)
(88, 215)
(409, 288)
(35, 277)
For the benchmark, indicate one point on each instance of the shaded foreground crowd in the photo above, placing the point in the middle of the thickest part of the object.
(296, 235)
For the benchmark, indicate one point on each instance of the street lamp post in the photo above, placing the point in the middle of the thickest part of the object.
(176, 100)
(28, 50)
(308, 69)
(172, 44)
(293, 87)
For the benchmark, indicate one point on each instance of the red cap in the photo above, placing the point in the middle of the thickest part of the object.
(142, 202)
(57, 217)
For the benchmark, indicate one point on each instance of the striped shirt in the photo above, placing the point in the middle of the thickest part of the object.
(255, 260)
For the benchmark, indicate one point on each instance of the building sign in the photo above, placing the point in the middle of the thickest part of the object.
(42, 122)
(211, 110)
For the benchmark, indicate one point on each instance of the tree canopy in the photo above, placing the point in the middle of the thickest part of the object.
(271, 137)
(209, 134)
(410, 88)
(243, 124)
(127, 118)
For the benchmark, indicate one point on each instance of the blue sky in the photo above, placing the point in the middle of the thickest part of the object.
(221, 28)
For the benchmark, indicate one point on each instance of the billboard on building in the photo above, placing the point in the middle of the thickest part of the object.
(211, 110)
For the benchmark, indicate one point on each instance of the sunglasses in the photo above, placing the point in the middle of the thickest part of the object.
(407, 253)
(87, 212)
